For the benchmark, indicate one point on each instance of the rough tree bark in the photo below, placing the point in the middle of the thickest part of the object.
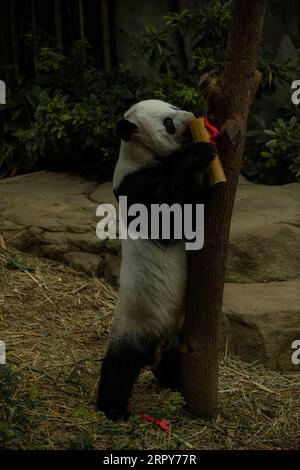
(229, 101)
(34, 36)
(105, 35)
(81, 18)
(14, 35)
(58, 22)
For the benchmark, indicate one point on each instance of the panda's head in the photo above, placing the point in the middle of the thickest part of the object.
(159, 126)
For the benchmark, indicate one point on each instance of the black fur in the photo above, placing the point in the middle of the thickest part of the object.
(167, 371)
(169, 125)
(169, 180)
(120, 368)
(125, 129)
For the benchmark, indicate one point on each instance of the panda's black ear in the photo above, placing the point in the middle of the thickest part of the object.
(125, 129)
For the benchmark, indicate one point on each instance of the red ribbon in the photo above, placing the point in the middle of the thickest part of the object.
(160, 423)
(214, 132)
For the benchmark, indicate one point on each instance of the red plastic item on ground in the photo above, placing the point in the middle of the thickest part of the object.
(160, 423)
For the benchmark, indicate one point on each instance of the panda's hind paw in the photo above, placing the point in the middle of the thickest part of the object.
(117, 414)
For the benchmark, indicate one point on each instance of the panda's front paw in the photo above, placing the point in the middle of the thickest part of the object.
(205, 152)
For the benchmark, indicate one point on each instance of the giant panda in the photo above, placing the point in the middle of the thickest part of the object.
(157, 164)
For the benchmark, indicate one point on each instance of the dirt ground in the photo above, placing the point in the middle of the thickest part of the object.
(55, 324)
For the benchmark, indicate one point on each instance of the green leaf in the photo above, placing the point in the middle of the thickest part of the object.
(269, 132)
(266, 154)
(272, 143)
(272, 163)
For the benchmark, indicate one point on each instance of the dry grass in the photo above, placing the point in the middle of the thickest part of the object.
(55, 323)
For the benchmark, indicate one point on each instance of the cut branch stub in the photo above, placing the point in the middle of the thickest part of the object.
(231, 133)
(210, 89)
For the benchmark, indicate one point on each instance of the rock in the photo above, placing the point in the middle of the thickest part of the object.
(87, 262)
(265, 234)
(261, 321)
(266, 253)
(111, 271)
(59, 218)
(54, 215)
(286, 52)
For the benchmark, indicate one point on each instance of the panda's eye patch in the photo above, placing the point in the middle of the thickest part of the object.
(169, 125)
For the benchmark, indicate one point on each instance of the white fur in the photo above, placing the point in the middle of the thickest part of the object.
(149, 116)
(153, 277)
(133, 156)
(152, 288)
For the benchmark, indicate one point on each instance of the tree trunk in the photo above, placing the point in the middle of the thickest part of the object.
(81, 18)
(14, 35)
(34, 36)
(105, 35)
(58, 24)
(5, 52)
(229, 100)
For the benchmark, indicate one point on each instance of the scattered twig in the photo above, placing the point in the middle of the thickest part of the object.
(79, 289)
(2, 243)
(16, 235)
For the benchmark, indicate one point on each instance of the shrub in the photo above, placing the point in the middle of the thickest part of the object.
(15, 411)
(206, 32)
(67, 116)
(273, 155)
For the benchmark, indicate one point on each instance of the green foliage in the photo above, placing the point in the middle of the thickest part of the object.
(82, 441)
(23, 100)
(183, 95)
(69, 114)
(206, 32)
(66, 117)
(48, 60)
(15, 410)
(273, 155)
(272, 161)
(273, 75)
(124, 435)
(171, 408)
(62, 126)
(153, 45)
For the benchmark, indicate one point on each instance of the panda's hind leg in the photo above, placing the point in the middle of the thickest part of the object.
(125, 357)
(167, 370)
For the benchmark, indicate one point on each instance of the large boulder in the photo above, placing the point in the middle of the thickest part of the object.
(261, 321)
(54, 215)
(265, 234)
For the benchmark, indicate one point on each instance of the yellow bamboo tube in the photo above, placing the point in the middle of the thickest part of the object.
(216, 175)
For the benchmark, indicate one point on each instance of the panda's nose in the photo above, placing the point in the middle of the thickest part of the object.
(189, 117)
